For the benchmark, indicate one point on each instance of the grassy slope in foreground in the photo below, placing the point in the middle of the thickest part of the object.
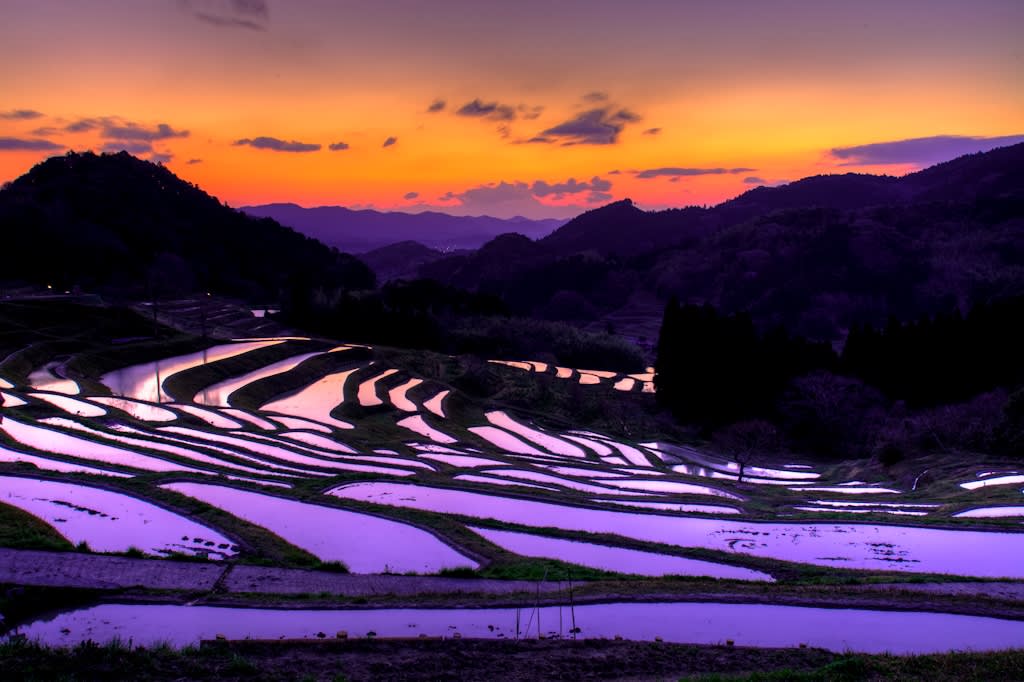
(475, 659)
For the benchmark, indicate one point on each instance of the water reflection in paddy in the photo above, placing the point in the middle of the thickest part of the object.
(59, 443)
(762, 625)
(141, 411)
(47, 464)
(219, 394)
(70, 405)
(848, 545)
(364, 543)
(399, 395)
(436, 404)
(546, 441)
(145, 382)
(110, 521)
(617, 559)
(419, 426)
(315, 401)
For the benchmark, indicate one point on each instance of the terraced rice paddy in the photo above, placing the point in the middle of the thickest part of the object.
(270, 446)
(112, 522)
(840, 630)
(642, 382)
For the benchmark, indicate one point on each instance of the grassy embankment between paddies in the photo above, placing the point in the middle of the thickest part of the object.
(373, 659)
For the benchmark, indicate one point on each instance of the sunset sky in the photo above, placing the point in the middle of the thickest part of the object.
(504, 108)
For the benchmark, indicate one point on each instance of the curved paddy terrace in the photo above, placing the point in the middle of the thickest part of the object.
(294, 453)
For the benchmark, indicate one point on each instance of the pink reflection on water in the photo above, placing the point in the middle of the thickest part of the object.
(847, 545)
(315, 401)
(544, 440)
(364, 543)
(59, 443)
(760, 625)
(47, 464)
(145, 382)
(110, 521)
(617, 559)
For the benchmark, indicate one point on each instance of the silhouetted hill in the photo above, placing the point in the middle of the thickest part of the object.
(358, 231)
(818, 254)
(117, 223)
(401, 260)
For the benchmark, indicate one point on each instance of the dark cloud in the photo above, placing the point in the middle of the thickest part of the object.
(16, 144)
(338, 146)
(132, 147)
(436, 106)
(652, 131)
(274, 144)
(753, 180)
(249, 14)
(412, 195)
(192, 162)
(522, 198)
(490, 110)
(537, 139)
(595, 96)
(615, 172)
(687, 172)
(20, 115)
(45, 131)
(83, 125)
(596, 126)
(161, 157)
(570, 186)
(117, 130)
(923, 151)
(391, 141)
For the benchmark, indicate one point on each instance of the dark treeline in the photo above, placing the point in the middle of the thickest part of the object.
(714, 369)
(429, 315)
(940, 360)
(410, 314)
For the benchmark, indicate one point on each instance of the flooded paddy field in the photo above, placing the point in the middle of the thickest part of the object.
(301, 454)
(751, 625)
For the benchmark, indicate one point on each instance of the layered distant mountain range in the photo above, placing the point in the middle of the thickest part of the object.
(359, 231)
(818, 255)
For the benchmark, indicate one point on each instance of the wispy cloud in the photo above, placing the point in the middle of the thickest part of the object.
(192, 162)
(523, 198)
(558, 190)
(390, 142)
(436, 106)
(652, 131)
(134, 131)
(338, 146)
(753, 180)
(276, 145)
(135, 148)
(17, 144)
(596, 96)
(494, 111)
(20, 115)
(409, 196)
(921, 151)
(596, 127)
(671, 172)
(248, 14)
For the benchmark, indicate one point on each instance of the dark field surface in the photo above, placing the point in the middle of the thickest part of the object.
(488, 660)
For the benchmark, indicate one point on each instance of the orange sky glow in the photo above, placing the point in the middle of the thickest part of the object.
(669, 103)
